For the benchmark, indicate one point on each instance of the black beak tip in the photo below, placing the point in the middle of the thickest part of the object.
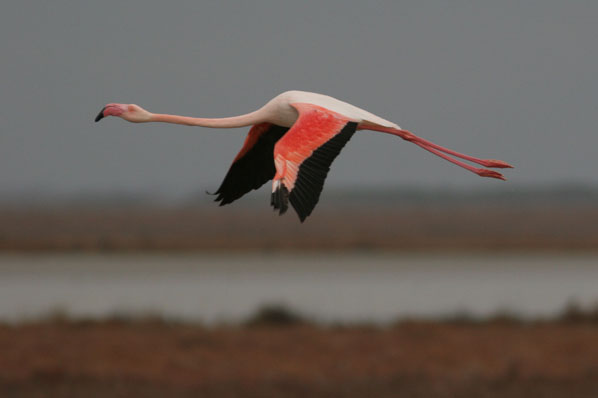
(100, 115)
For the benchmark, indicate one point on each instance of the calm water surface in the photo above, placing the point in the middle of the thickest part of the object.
(329, 287)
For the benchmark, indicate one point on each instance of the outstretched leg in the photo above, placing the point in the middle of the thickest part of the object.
(442, 152)
(476, 170)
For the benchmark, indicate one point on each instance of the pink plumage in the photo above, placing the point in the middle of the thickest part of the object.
(294, 139)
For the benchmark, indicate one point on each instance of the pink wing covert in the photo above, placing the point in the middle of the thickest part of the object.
(304, 154)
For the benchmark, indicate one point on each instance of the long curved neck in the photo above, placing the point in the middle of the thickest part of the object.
(225, 122)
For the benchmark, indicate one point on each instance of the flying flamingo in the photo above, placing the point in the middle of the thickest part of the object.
(293, 140)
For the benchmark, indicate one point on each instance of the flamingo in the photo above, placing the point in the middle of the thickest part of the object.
(293, 140)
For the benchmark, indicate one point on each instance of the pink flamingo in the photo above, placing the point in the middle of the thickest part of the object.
(293, 140)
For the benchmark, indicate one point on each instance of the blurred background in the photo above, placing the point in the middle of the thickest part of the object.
(119, 275)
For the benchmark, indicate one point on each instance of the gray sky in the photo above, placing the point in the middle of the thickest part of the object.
(514, 80)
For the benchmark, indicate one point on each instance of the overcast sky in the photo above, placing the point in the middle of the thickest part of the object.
(513, 80)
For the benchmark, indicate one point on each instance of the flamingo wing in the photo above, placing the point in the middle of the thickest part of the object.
(253, 166)
(304, 155)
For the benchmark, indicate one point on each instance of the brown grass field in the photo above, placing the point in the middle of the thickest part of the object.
(59, 358)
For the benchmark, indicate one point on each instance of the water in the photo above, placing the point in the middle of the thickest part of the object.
(345, 287)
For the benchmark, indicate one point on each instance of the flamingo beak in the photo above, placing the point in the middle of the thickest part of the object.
(100, 115)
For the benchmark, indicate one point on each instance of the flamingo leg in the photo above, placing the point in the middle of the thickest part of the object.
(478, 171)
(444, 152)
(483, 162)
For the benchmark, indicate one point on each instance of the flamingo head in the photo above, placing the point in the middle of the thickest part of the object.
(129, 112)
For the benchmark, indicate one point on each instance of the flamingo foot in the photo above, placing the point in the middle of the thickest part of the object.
(499, 164)
(490, 173)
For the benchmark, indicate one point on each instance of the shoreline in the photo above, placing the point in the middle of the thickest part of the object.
(445, 227)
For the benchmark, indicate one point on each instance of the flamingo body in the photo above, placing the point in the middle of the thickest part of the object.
(293, 140)
(283, 104)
